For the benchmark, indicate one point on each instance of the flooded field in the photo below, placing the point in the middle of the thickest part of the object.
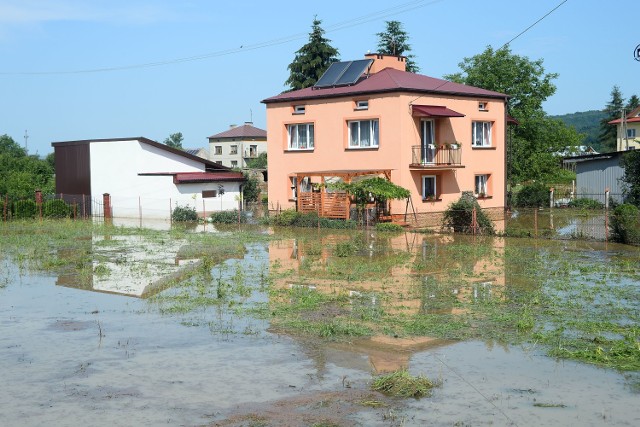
(122, 326)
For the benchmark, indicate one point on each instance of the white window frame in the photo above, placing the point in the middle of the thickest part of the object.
(217, 150)
(481, 134)
(424, 187)
(234, 163)
(483, 106)
(294, 137)
(299, 109)
(480, 185)
(362, 105)
(233, 149)
(356, 141)
(631, 133)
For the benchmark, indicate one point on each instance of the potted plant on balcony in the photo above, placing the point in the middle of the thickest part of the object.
(454, 145)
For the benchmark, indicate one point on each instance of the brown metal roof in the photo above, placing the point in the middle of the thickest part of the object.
(209, 165)
(245, 131)
(198, 177)
(388, 80)
(434, 111)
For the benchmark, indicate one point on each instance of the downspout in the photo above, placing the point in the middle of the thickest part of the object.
(507, 151)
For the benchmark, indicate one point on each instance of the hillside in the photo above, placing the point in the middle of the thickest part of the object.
(585, 122)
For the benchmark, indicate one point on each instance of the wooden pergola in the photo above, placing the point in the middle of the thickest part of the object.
(330, 204)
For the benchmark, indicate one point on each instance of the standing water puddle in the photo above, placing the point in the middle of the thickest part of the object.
(207, 344)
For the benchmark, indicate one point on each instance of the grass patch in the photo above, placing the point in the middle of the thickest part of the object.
(402, 384)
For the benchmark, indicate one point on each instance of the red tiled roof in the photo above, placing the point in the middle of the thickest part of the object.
(244, 131)
(632, 117)
(434, 111)
(388, 80)
(198, 177)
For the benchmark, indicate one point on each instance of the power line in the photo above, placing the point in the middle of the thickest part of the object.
(507, 43)
(532, 25)
(402, 8)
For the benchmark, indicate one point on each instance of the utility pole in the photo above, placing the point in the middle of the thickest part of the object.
(624, 130)
(26, 146)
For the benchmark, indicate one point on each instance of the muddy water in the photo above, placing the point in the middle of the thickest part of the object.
(71, 357)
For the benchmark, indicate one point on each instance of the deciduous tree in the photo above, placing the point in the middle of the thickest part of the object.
(394, 40)
(536, 138)
(20, 174)
(631, 165)
(312, 59)
(174, 140)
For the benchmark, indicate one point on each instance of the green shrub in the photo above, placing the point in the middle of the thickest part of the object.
(585, 203)
(292, 218)
(533, 196)
(24, 209)
(459, 216)
(56, 209)
(228, 217)
(184, 214)
(625, 224)
(388, 226)
(286, 217)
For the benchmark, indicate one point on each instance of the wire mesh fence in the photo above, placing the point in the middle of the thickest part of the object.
(41, 206)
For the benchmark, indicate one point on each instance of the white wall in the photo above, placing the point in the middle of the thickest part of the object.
(115, 166)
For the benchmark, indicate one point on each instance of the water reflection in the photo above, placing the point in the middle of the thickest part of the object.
(406, 274)
(130, 265)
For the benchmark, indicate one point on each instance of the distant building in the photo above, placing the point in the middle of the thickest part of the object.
(143, 177)
(200, 152)
(595, 173)
(628, 134)
(233, 147)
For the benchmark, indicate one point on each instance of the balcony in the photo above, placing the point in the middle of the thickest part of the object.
(435, 157)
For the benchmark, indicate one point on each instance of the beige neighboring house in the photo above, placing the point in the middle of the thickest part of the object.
(199, 152)
(628, 131)
(233, 147)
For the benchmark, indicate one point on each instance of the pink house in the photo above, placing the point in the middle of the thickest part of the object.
(372, 118)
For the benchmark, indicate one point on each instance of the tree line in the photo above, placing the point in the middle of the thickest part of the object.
(21, 174)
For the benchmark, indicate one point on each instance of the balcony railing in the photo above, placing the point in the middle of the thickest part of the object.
(431, 156)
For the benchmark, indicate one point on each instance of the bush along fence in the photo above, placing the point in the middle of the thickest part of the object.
(43, 206)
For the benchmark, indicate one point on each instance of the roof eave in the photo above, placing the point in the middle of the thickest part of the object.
(382, 91)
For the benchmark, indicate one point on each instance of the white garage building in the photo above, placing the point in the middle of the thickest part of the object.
(144, 178)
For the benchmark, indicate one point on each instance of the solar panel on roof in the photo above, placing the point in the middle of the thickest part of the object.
(332, 74)
(353, 72)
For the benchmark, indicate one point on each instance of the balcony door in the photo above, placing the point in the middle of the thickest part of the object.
(428, 142)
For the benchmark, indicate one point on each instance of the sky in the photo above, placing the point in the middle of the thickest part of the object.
(88, 69)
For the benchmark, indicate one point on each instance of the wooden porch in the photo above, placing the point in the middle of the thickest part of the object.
(316, 197)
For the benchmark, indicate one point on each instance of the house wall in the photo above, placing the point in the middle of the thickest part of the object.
(593, 177)
(115, 169)
(399, 131)
(226, 157)
(634, 143)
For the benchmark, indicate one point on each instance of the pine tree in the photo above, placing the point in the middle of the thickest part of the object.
(608, 133)
(394, 41)
(312, 60)
(633, 103)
